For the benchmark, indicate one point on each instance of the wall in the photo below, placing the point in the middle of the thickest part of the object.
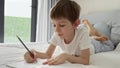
(90, 6)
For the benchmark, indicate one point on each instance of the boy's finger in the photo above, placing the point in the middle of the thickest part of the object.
(46, 62)
(52, 62)
(35, 60)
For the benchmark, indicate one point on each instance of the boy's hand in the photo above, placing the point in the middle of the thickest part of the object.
(57, 60)
(28, 58)
(103, 38)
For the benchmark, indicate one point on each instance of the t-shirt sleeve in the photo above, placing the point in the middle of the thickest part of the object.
(85, 41)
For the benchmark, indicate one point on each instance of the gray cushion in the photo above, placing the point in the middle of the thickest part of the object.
(111, 18)
(103, 29)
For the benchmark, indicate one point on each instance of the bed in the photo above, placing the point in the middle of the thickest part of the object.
(13, 53)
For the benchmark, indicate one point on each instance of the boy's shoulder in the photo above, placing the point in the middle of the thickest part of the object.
(82, 27)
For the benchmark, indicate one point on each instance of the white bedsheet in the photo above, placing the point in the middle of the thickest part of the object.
(10, 54)
(39, 64)
(13, 53)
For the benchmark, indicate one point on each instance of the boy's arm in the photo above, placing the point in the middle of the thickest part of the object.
(100, 38)
(48, 53)
(37, 54)
(82, 59)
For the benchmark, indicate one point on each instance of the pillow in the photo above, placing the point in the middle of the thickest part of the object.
(115, 30)
(103, 29)
(118, 47)
(111, 18)
(115, 38)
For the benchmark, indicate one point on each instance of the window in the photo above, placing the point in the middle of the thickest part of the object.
(27, 31)
(18, 17)
(1, 20)
(49, 27)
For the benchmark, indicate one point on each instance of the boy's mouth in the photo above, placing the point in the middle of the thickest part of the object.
(60, 34)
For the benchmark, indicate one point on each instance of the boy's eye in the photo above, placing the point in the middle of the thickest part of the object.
(62, 25)
(59, 25)
(54, 25)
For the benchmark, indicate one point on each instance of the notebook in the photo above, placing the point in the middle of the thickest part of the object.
(39, 64)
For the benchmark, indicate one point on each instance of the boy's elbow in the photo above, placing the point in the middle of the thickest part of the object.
(86, 62)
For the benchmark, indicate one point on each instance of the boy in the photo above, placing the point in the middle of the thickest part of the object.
(74, 40)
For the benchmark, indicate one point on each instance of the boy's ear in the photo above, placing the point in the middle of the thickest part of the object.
(77, 22)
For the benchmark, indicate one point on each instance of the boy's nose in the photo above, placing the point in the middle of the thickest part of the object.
(57, 29)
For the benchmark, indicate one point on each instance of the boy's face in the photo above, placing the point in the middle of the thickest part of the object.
(63, 27)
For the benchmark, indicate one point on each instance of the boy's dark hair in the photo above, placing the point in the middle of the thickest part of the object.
(65, 9)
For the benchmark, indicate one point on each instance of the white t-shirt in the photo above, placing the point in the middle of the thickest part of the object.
(80, 41)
